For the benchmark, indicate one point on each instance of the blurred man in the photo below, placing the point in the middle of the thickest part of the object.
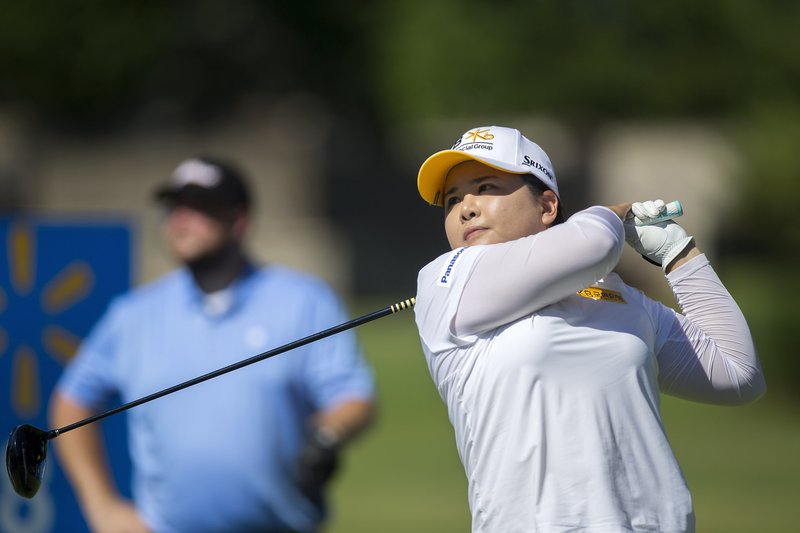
(249, 451)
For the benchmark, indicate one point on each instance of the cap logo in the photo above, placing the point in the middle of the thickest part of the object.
(479, 134)
(196, 172)
(475, 140)
(528, 162)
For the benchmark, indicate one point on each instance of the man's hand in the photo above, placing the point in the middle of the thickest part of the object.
(659, 243)
(317, 462)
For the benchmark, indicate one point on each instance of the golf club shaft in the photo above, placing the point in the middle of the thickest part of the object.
(405, 304)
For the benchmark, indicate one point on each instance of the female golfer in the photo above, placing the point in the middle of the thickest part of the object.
(550, 365)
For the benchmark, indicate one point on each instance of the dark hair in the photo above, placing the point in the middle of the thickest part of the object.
(537, 188)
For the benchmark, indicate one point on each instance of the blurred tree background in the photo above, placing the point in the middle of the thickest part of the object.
(90, 67)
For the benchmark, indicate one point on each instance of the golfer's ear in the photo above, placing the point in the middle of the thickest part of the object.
(549, 203)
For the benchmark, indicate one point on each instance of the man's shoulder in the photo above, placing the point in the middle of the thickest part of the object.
(166, 286)
(290, 279)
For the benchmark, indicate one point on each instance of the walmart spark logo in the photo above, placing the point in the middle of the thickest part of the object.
(56, 278)
(31, 299)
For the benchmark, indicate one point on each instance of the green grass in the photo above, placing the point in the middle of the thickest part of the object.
(742, 463)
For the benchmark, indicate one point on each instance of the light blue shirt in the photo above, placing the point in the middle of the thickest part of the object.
(218, 456)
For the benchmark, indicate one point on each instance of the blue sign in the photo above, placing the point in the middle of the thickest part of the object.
(56, 279)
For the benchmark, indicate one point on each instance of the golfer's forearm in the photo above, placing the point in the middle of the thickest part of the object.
(684, 257)
(347, 419)
(82, 455)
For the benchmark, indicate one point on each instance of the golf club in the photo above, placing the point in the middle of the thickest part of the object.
(26, 451)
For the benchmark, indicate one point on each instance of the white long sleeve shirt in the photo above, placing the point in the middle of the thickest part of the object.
(550, 367)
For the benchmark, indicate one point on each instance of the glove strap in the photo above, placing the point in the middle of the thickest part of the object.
(650, 260)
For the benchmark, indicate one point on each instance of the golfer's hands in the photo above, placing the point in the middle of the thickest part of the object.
(317, 463)
(116, 516)
(660, 243)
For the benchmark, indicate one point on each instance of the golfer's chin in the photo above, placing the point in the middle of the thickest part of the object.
(474, 238)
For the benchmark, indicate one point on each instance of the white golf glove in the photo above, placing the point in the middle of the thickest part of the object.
(658, 243)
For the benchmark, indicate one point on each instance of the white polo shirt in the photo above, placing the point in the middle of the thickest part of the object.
(554, 395)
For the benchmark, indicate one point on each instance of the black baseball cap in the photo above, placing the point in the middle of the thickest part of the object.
(206, 182)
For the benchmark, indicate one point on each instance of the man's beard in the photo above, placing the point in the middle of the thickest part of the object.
(216, 269)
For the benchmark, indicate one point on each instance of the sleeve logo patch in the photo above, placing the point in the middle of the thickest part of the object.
(444, 277)
(606, 295)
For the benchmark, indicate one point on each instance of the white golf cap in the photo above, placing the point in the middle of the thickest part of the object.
(496, 146)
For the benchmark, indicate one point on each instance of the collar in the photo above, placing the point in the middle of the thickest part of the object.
(221, 303)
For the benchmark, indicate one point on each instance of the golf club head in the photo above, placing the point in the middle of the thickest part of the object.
(26, 454)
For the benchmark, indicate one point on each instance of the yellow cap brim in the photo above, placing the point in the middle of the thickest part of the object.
(433, 173)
